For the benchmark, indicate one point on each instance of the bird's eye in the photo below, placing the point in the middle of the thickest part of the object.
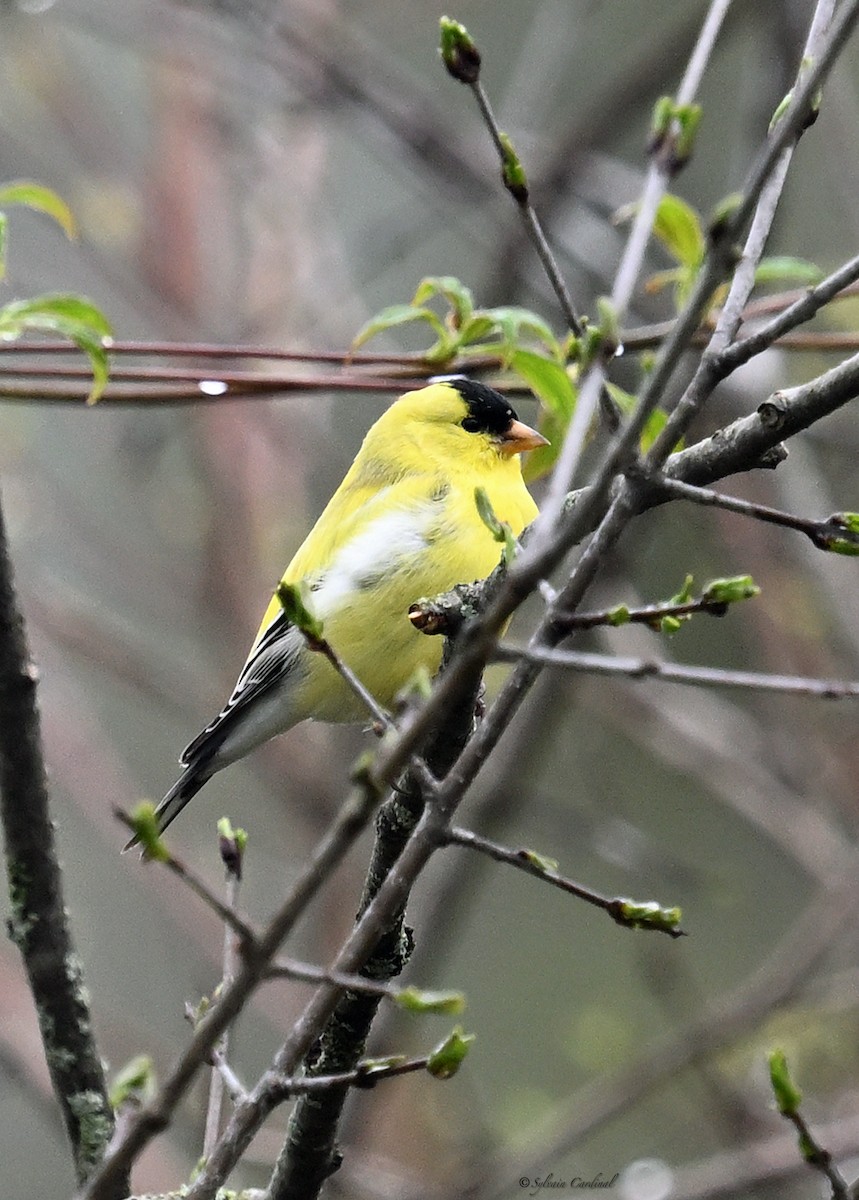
(471, 424)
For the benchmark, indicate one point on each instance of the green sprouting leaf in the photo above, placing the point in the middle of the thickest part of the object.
(448, 1056)
(512, 324)
(722, 213)
(144, 828)
(541, 861)
(784, 268)
(655, 423)
(69, 316)
(42, 199)
(685, 593)
(609, 325)
(134, 1081)
(417, 1000)
(846, 522)
(478, 326)
(404, 314)
(500, 530)
(368, 1067)
(232, 844)
(512, 172)
(838, 545)
(669, 624)
(688, 117)
(780, 109)
(788, 1097)
(549, 381)
(660, 121)
(648, 915)
(619, 615)
(458, 51)
(730, 591)
(553, 387)
(455, 292)
(296, 603)
(678, 228)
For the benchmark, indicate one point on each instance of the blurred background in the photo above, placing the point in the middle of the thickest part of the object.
(274, 173)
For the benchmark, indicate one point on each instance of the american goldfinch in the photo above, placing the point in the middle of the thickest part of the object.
(402, 524)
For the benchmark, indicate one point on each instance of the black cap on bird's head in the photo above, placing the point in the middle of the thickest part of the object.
(489, 413)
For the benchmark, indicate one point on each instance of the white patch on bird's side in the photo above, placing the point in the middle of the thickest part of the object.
(372, 554)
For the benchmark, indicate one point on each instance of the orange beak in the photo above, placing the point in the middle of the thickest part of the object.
(520, 437)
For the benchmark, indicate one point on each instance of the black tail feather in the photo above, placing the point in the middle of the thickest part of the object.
(183, 790)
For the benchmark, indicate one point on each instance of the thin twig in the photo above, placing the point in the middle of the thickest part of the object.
(651, 615)
(649, 915)
(726, 1019)
(236, 1090)
(219, 1077)
(246, 934)
(821, 533)
(818, 1157)
(350, 821)
(365, 1075)
(290, 968)
(529, 216)
(647, 668)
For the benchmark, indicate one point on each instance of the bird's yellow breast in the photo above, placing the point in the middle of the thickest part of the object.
(373, 553)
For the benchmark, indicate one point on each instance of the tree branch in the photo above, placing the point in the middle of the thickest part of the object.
(39, 923)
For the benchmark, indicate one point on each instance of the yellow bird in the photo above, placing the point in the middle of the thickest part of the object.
(402, 524)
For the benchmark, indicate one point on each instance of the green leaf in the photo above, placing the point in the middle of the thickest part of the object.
(455, 292)
(849, 523)
(685, 593)
(654, 424)
(549, 381)
(555, 390)
(512, 172)
(729, 591)
(402, 314)
(134, 1081)
(478, 326)
(448, 1056)
(42, 199)
(678, 228)
(416, 1000)
(514, 322)
(232, 844)
(541, 861)
(458, 51)
(368, 1067)
(649, 915)
(296, 603)
(144, 827)
(500, 530)
(660, 121)
(688, 117)
(787, 1095)
(619, 615)
(69, 316)
(669, 625)
(785, 268)
(847, 520)
(609, 325)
